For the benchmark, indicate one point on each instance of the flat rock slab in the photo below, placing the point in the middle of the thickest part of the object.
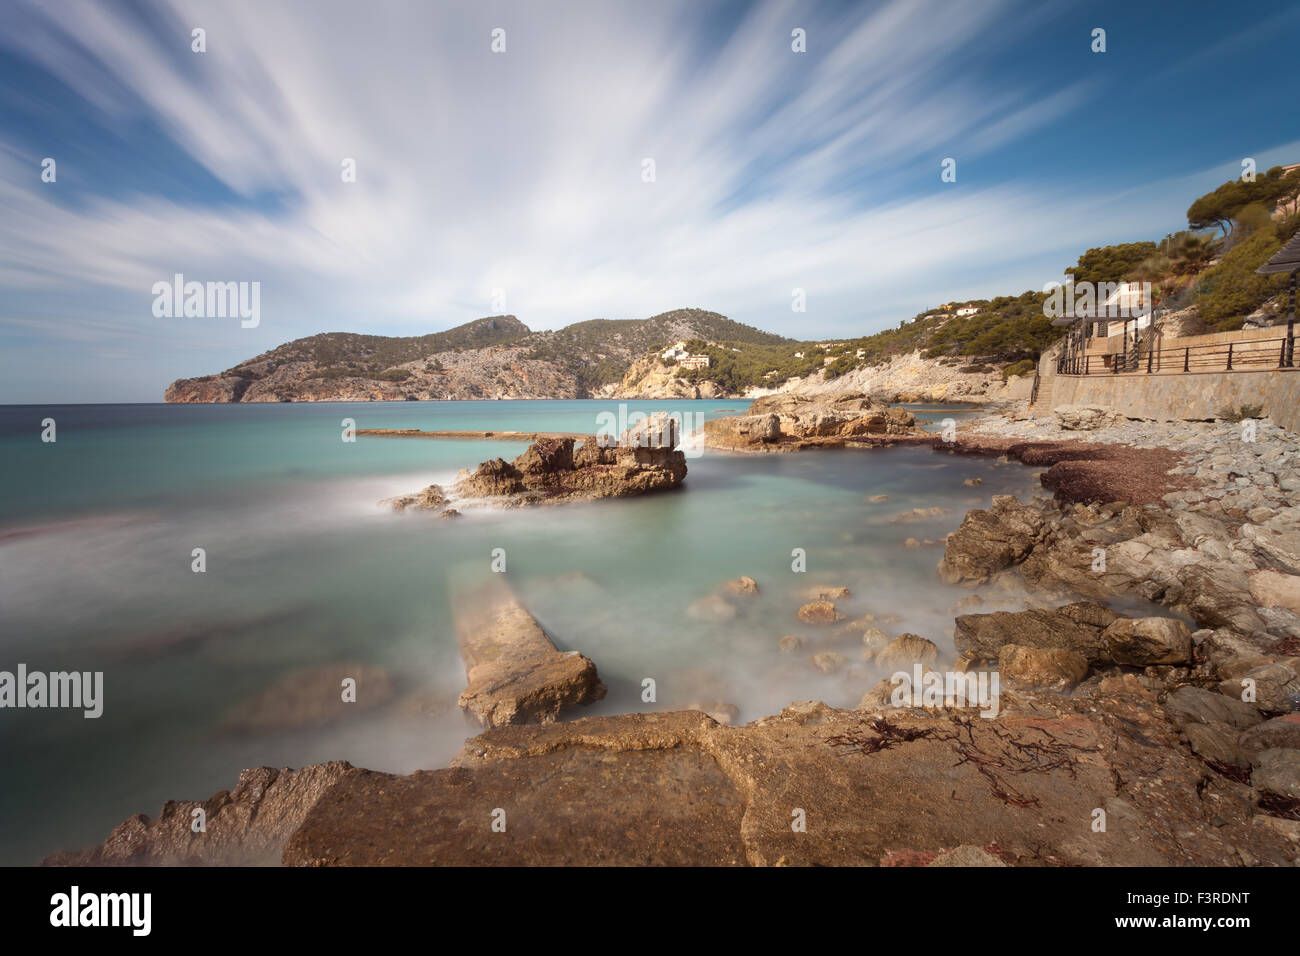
(570, 806)
(515, 673)
(678, 788)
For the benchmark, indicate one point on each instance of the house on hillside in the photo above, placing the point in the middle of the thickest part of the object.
(1131, 304)
(694, 361)
(967, 310)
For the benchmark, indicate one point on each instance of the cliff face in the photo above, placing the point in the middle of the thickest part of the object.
(911, 378)
(647, 378)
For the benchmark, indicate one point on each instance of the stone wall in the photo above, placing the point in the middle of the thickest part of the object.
(1192, 395)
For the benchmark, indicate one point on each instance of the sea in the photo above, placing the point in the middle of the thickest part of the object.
(303, 568)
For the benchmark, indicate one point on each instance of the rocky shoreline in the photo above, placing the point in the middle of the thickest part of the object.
(1149, 711)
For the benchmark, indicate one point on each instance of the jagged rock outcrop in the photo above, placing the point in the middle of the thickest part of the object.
(784, 422)
(515, 673)
(551, 471)
(247, 826)
(991, 541)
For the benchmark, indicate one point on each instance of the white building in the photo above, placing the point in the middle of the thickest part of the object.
(1130, 300)
(967, 310)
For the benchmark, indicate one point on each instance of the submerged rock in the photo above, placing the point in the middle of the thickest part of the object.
(818, 612)
(711, 607)
(515, 674)
(312, 697)
(905, 650)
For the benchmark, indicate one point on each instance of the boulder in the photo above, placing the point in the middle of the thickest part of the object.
(1085, 417)
(1047, 668)
(1196, 705)
(1277, 771)
(1276, 686)
(742, 431)
(546, 456)
(1144, 641)
(1074, 627)
(1216, 743)
(430, 499)
(1275, 589)
(1276, 542)
(905, 650)
(1280, 732)
(818, 612)
(828, 662)
(658, 430)
(990, 541)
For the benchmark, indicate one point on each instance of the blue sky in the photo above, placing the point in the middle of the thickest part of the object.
(520, 173)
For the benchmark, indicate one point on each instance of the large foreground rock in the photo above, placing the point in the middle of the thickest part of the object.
(898, 788)
(515, 673)
(677, 788)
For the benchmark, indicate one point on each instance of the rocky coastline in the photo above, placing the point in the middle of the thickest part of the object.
(1150, 681)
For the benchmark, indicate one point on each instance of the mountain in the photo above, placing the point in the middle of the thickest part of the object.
(493, 357)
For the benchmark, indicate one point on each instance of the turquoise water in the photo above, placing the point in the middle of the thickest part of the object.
(305, 569)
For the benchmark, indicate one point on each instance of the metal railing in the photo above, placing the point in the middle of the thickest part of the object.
(1247, 355)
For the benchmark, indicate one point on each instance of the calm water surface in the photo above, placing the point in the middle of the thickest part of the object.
(305, 569)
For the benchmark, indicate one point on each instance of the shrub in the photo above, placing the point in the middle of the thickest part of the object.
(1241, 413)
(1023, 367)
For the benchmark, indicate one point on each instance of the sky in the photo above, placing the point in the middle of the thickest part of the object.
(516, 180)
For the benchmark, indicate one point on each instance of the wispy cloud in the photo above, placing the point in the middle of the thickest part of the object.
(522, 171)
